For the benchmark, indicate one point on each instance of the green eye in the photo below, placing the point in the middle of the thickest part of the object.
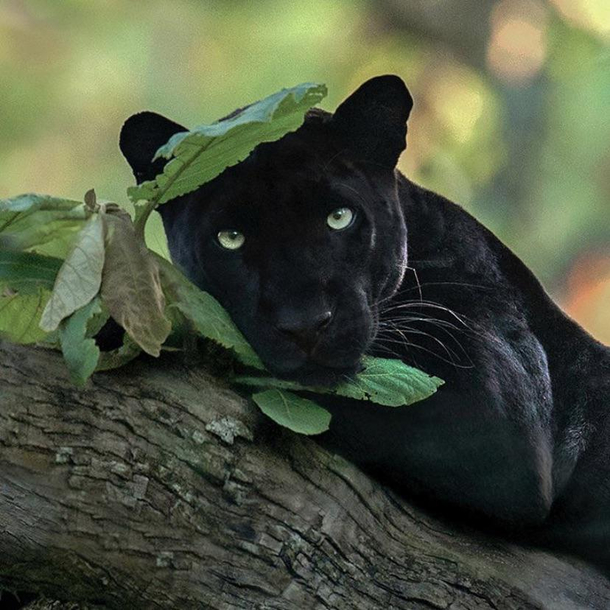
(339, 219)
(231, 240)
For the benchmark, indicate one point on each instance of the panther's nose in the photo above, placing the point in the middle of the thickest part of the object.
(305, 332)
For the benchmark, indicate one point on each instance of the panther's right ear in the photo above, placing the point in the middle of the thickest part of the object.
(141, 136)
(372, 121)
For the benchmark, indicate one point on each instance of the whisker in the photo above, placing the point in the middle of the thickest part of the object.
(393, 353)
(431, 304)
(414, 345)
(450, 353)
(388, 329)
(465, 330)
(422, 317)
(400, 320)
(421, 296)
(464, 284)
(329, 161)
(444, 326)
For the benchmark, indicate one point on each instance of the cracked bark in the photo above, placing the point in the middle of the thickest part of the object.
(158, 487)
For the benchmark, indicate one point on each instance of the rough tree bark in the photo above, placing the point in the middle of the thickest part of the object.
(158, 487)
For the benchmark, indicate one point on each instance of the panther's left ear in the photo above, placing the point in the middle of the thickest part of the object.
(372, 121)
(141, 136)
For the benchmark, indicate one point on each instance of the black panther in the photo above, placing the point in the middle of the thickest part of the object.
(322, 251)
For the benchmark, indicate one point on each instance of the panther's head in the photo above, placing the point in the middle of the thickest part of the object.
(304, 238)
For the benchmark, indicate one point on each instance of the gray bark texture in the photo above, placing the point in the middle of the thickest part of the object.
(157, 486)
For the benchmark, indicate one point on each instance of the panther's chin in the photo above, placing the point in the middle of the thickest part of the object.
(321, 375)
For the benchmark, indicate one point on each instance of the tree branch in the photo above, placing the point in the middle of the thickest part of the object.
(449, 23)
(158, 487)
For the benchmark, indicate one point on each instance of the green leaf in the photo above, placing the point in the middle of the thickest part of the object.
(389, 382)
(131, 288)
(203, 153)
(293, 412)
(80, 351)
(41, 223)
(80, 276)
(20, 315)
(25, 272)
(154, 235)
(383, 381)
(205, 313)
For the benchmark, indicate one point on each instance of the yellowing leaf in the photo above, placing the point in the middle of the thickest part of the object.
(131, 288)
(80, 276)
(91, 200)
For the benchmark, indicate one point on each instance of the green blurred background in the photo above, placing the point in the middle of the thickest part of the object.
(511, 119)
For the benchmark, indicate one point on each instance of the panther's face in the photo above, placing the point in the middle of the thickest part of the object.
(300, 241)
(299, 244)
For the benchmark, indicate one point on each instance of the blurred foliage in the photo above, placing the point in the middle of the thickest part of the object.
(511, 117)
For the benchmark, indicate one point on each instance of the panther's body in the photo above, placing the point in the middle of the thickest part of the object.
(519, 433)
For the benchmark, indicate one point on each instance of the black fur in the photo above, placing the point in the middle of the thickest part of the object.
(142, 135)
(519, 432)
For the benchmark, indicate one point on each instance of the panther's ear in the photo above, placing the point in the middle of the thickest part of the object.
(141, 136)
(372, 121)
